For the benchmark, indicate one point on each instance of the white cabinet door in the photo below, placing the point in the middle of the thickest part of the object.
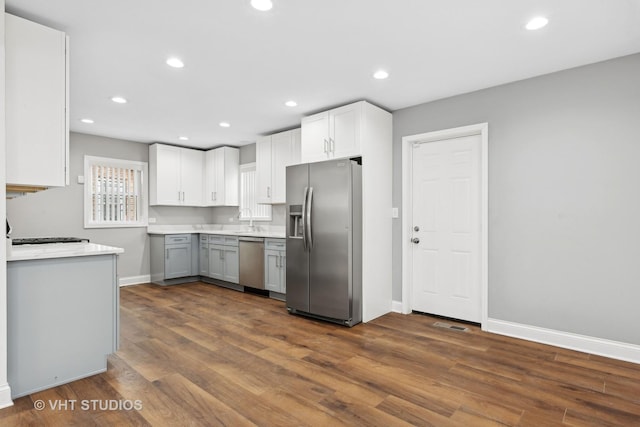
(177, 261)
(344, 128)
(272, 272)
(210, 188)
(263, 169)
(164, 171)
(273, 154)
(285, 151)
(191, 165)
(315, 138)
(37, 131)
(204, 260)
(222, 175)
(231, 264)
(216, 262)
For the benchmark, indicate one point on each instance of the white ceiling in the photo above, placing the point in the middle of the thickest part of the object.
(242, 64)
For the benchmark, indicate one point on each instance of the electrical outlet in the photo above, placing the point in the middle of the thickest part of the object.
(394, 213)
(152, 220)
(80, 179)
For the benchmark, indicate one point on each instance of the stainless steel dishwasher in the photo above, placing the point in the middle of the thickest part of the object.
(252, 262)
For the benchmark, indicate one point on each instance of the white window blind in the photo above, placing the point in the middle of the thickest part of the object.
(115, 193)
(249, 209)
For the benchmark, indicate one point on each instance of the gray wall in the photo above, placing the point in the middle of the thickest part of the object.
(564, 205)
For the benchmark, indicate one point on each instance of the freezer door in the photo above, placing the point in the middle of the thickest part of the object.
(330, 256)
(297, 272)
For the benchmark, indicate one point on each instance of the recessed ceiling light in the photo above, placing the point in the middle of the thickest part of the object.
(291, 103)
(224, 124)
(88, 121)
(183, 138)
(119, 100)
(175, 62)
(537, 23)
(380, 75)
(262, 5)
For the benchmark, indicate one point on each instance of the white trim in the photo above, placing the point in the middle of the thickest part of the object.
(396, 306)
(481, 129)
(134, 280)
(5, 396)
(141, 167)
(583, 343)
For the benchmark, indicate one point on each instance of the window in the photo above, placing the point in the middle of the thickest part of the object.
(115, 193)
(249, 209)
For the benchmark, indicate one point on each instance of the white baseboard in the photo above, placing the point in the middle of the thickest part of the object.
(5, 396)
(586, 344)
(396, 306)
(134, 280)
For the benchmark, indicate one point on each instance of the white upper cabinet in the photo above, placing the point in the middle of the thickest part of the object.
(191, 176)
(333, 134)
(176, 176)
(263, 170)
(222, 177)
(273, 154)
(37, 126)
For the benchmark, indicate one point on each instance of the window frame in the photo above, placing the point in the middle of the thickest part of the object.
(143, 192)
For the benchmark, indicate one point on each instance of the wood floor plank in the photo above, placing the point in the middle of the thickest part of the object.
(199, 354)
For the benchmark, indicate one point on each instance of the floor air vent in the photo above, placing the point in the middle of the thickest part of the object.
(448, 326)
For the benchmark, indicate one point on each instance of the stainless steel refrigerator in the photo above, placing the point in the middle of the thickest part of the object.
(324, 241)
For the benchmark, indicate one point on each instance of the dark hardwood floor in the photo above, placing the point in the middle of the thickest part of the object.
(199, 354)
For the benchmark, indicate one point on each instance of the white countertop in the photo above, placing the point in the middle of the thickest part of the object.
(276, 232)
(59, 250)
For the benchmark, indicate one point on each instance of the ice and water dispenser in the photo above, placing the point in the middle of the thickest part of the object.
(295, 221)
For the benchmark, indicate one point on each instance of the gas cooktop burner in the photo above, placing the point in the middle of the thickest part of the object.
(43, 240)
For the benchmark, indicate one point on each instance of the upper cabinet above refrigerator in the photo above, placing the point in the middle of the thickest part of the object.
(37, 126)
(338, 133)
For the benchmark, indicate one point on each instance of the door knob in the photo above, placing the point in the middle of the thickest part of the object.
(416, 228)
(415, 240)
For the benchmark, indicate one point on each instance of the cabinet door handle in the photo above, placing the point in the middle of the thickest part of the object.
(215, 196)
(221, 255)
(167, 253)
(277, 258)
(212, 199)
(268, 191)
(325, 146)
(179, 196)
(332, 145)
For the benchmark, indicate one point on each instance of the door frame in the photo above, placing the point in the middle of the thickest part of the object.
(481, 129)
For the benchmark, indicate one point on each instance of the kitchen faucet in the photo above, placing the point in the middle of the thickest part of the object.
(250, 217)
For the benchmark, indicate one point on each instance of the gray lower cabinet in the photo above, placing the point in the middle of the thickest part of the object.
(275, 265)
(177, 250)
(223, 258)
(203, 255)
(173, 258)
(62, 320)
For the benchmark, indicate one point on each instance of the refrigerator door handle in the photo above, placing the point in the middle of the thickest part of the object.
(304, 218)
(309, 222)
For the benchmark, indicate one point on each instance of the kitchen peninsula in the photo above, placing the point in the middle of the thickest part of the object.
(63, 313)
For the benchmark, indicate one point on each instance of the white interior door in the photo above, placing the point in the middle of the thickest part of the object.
(447, 228)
